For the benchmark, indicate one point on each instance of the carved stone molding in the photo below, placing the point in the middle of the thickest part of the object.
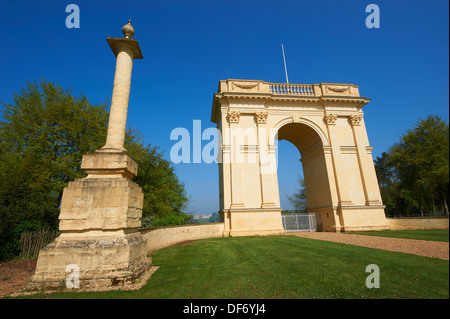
(247, 86)
(233, 116)
(261, 117)
(355, 119)
(330, 119)
(337, 89)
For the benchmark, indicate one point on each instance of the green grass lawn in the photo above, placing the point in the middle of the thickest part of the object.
(423, 234)
(282, 267)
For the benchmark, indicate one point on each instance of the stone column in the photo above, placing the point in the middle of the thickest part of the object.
(125, 50)
(101, 213)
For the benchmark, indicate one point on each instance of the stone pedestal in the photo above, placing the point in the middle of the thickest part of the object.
(100, 214)
(99, 221)
(102, 262)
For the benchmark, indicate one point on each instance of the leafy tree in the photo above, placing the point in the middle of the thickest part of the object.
(44, 133)
(397, 200)
(164, 193)
(298, 199)
(421, 159)
(177, 218)
(414, 174)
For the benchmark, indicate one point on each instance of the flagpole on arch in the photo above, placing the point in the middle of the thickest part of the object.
(285, 68)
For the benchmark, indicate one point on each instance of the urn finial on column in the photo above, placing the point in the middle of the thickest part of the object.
(128, 30)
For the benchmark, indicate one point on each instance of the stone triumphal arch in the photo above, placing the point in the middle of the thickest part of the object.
(325, 122)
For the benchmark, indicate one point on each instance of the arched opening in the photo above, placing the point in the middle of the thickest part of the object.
(302, 136)
(310, 145)
(289, 171)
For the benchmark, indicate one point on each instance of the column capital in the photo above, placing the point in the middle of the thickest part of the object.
(261, 117)
(121, 44)
(233, 116)
(355, 119)
(330, 119)
(126, 44)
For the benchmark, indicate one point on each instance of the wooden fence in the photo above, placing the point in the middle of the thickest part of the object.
(32, 242)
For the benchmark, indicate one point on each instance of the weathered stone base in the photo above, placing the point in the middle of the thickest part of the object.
(252, 222)
(352, 218)
(99, 221)
(363, 218)
(102, 262)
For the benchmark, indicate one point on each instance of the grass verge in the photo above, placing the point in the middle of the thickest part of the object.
(284, 267)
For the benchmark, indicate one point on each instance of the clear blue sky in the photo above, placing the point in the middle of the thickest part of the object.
(188, 46)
